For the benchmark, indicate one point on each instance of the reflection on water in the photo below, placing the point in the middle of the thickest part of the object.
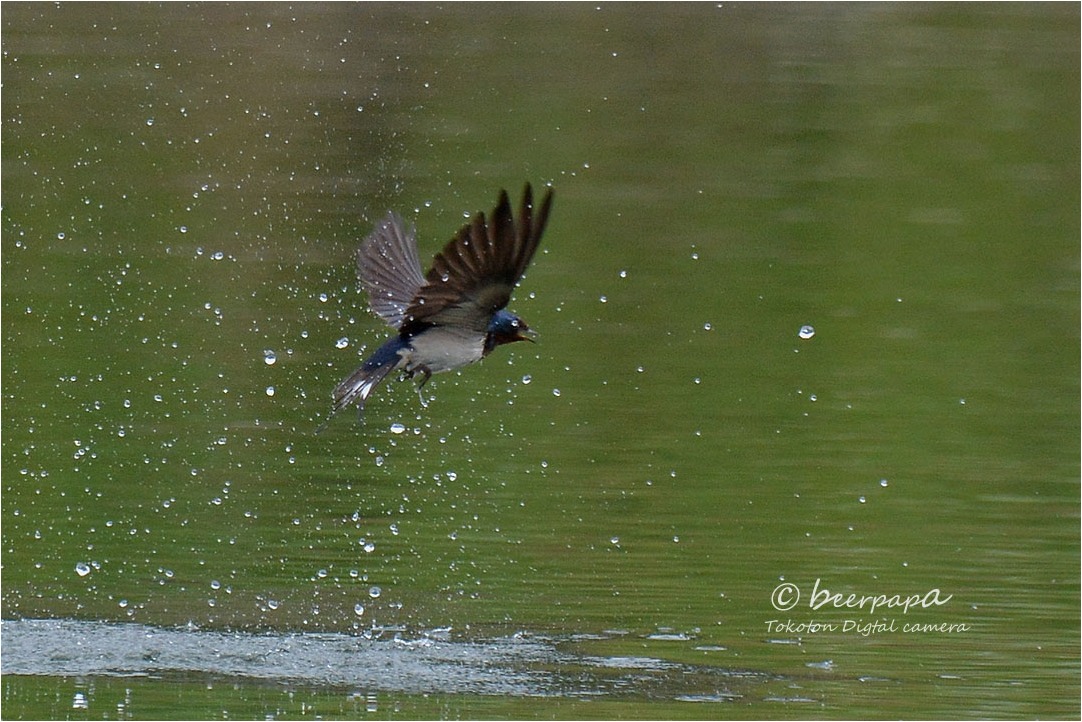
(385, 660)
(801, 251)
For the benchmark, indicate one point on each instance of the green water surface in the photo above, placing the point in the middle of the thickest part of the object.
(183, 190)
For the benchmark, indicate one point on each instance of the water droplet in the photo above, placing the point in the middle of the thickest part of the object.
(272, 604)
(806, 331)
(341, 343)
(269, 357)
(397, 428)
(862, 500)
(614, 540)
(374, 592)
(358, 609)
(82, 569)
(270, 391)
(527, 379)
(556, 392)
(883, 483)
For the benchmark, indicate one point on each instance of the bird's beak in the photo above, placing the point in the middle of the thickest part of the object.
(527, 335)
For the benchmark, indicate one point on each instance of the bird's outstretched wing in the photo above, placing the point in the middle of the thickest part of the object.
(388, 267)
(474, 274)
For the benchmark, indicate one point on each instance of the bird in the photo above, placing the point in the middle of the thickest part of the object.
(454, 315)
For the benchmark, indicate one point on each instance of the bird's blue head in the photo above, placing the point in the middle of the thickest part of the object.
(505, 327)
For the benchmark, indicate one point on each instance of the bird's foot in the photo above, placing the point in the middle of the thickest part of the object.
(425, 376)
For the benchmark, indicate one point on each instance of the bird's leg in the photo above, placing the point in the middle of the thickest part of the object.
(426, 374)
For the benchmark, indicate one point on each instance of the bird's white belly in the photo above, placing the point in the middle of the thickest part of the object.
(443, 348)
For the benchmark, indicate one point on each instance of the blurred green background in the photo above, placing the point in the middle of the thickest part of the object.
(183, 189)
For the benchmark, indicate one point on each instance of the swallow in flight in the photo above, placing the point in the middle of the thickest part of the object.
(456, 313)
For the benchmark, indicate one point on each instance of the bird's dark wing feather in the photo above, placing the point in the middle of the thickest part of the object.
(388, 267)
(474, 274)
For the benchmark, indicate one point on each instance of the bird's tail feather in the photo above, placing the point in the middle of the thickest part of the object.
(360, 384)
